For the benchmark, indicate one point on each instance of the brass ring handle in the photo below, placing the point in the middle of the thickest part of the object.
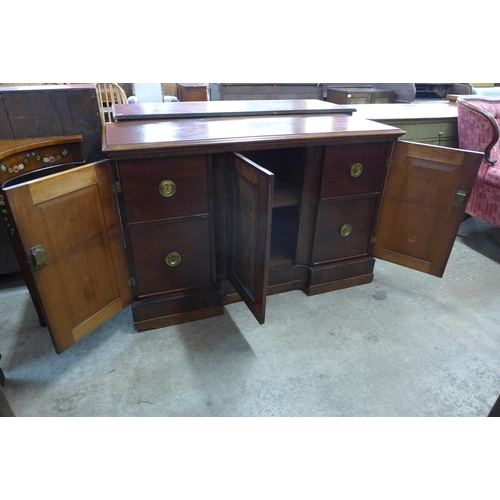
(167, 188)
(356, 169)
(173, 259)
(345, 230)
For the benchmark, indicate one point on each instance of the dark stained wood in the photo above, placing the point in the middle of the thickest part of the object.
(52, 110)
(73, 216)
(213, 109)
(249, 209)
(245, 91)
(185, 136)
(189, 237)
(337, 178)
(419, 217)
(140, 181)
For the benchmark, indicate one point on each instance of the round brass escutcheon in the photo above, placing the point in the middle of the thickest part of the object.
(167, 188)
(356, 169)
(345, 230)
(173, 259)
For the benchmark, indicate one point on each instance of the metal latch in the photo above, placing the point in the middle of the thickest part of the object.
(460, 197)
(39, 256)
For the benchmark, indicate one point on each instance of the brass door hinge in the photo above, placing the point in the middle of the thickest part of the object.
(116, 187)
(390, 162)
(373, 240)
(131, 282)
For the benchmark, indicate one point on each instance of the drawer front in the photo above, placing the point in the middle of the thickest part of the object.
(444, 130)
(353, 169)
(344, 228)
(188, 241)
(182, 180)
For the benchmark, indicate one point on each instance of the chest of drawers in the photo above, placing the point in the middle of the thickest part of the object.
(215, 210)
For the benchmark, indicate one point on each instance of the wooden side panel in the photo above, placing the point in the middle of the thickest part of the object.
(250, 191)
(424, 202)
(74, 216)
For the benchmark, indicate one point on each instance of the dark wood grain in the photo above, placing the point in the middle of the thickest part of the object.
(212, 109)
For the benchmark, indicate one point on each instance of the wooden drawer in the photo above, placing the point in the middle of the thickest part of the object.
(151, 243)
(141, 180)
(329, 242)
(351, 170)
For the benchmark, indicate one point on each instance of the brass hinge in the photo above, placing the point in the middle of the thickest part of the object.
(390, 162)
(116, 187)
(131, 282)
(373, 240)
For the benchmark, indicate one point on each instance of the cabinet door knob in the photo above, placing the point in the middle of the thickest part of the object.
(345, 230)
(167, 188)
(173, 259)
(356, 169)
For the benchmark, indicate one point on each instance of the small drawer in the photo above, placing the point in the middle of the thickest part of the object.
(344, 228)
(171, 256)
(353, 169)
(160, 188)
(442, 130)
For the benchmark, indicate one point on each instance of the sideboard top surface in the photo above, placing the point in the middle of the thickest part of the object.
(227, 133)
(168, 110)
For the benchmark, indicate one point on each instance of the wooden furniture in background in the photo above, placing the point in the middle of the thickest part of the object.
(107, 95)
(53, 110)
(264, 91)
(367, 95)
(192, 92)
(429, 123)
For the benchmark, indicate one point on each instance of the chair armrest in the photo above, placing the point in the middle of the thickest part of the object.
(490, 118)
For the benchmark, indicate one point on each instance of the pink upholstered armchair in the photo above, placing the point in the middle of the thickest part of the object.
(478, 130)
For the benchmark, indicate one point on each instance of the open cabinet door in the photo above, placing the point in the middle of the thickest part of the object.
(70, 230)
(423, 205)
(250, 192)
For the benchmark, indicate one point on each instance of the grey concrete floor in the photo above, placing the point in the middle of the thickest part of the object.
(406, 345)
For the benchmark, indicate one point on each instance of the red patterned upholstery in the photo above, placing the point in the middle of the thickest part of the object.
(478, 130)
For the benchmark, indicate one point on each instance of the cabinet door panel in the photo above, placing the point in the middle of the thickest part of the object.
(73, 215)
(250, 190)
(424, 202)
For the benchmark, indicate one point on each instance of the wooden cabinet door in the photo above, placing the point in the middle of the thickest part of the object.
(71, 234)
(250, 191)
(423, 205)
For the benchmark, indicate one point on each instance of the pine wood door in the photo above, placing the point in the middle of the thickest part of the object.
(423, 205)
(71, 234)
(250, 192)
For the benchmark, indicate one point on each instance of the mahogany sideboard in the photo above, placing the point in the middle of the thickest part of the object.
(213, 210)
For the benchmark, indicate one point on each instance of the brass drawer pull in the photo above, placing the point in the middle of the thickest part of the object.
(356, 169)
(345, 230)
(167, 188)
(173, 259)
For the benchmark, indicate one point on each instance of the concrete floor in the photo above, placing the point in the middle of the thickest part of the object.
(405, 345)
